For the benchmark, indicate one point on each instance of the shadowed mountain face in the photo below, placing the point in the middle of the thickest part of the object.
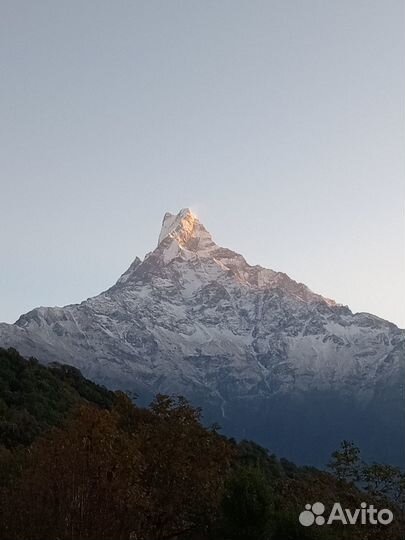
(264, 356)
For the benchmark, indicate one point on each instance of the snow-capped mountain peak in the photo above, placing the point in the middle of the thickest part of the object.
(186, 231)
(262, 353)
(187, 253)
(175, 223)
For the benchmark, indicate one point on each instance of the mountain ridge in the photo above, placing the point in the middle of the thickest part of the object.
(252, 346)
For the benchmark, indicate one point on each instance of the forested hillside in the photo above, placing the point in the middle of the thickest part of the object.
(80, 462)
(34, 397)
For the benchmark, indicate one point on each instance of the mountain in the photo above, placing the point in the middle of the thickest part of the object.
(266, 357)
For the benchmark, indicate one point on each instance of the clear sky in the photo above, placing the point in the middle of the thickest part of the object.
(279, 122)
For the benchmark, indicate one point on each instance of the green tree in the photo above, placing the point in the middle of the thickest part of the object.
(383, 480)
(247, 506)
(346, 463)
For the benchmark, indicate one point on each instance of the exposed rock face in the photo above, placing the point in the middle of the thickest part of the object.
(265, 356)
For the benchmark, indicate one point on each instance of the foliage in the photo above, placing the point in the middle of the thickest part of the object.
(384, 481)
(34, 397)
(78, 462)
(118, 474)
(247, 506)
(346, 463)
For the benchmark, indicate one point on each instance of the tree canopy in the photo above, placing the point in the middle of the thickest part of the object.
(78, 462)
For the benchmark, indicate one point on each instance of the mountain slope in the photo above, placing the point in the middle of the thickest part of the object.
(33, 397)
(266, 357)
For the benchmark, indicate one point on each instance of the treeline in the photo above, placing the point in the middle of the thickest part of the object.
(93, 465)
(379, 480)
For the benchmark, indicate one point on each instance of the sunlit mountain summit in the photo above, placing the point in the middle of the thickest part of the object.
(265, 357)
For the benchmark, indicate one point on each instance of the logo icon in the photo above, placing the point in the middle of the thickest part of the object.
(312, 514)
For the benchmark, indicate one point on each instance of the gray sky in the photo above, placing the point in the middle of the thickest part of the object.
(279, 122)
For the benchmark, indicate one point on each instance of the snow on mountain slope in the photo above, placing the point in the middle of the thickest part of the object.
(252, 346)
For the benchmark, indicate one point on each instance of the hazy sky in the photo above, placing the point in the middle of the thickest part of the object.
(280, 122)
